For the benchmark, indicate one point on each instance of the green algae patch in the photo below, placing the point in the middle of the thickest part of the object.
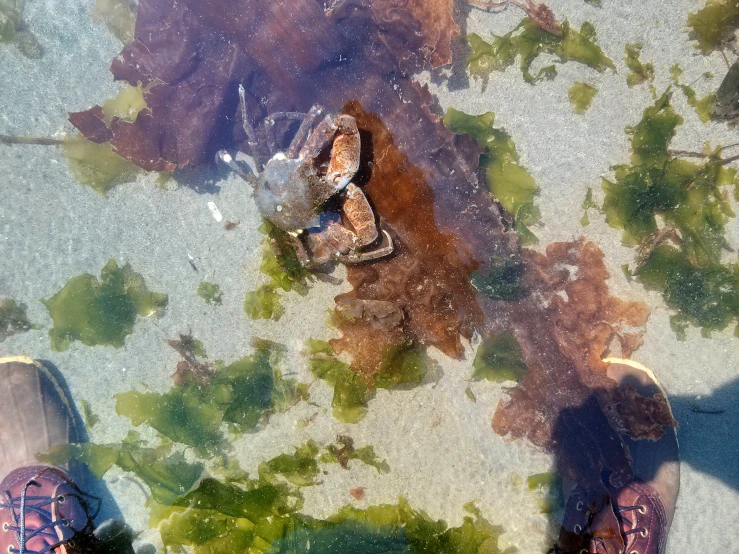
(345, 451)
(586, 205)
(89, 417)
(547, 489)
(581, 96)
(687, 196)
(210, 292)
(126, 105)
(194, 411)
(638, 72)
(351, 391)
(281, 264)
(96, 165)
(704, 107)
(499, 358)
(509, 182)
(14, 31)
(675, 211)
(168, 477)
(101, 311)
(13, 318)
(500, 279)
(213, 516)
(119, 17)
(527, 41)
(706, 296)
(650, 137)
(713, 26)
(396, 528)
(299, 469)
(415, 531)
(404, 364)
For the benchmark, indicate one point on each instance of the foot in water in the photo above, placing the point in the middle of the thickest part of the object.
(636, 517)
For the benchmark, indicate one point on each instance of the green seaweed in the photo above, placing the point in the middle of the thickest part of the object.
(281, 264)
(238, 395)
(168, 477)
(706, 296)
(351, 391)
(499, 358)
(713, 25)
(13, 318)
(119, 17)
(101, 312)
(299, 469)
(501, 279)
(213, 516)
(687, 196)
(263, 303)
(14, 31)
(581, 96)
(703, 106)
(650, 137)
(210, 292)
(547, 489)
(96, 165)
(88, 416)
(587, 204)
(508, 181)
(345, 451)
(661, 196)
(471, 395)
(380, 529)
(638, 72)
(528, 41)
(404, 364)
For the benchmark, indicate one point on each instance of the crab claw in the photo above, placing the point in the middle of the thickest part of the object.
(357, 257)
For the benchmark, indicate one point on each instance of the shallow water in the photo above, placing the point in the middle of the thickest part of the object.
(435, 436)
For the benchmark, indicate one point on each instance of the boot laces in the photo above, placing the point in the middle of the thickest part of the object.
(24, 504)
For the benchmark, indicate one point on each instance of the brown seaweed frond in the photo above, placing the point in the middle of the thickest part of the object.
(540, 13)
(190, 368)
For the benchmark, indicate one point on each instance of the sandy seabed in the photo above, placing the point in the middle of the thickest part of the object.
(442, 451)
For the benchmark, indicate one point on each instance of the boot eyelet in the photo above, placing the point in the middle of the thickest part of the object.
(579, 506)
(644, 533)
(5, 526)
(642, 509)
(577, 528)
(11, 550)
(61, 499)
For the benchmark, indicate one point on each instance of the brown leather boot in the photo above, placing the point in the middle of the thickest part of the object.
(632, 520)
(635, 518)
(41, 508)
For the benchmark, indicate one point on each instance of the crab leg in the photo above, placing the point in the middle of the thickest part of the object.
(302, 134)
(251, 135)
(269, 127)
(319, 139)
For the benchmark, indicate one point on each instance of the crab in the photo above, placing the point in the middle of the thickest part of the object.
(292, 187)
